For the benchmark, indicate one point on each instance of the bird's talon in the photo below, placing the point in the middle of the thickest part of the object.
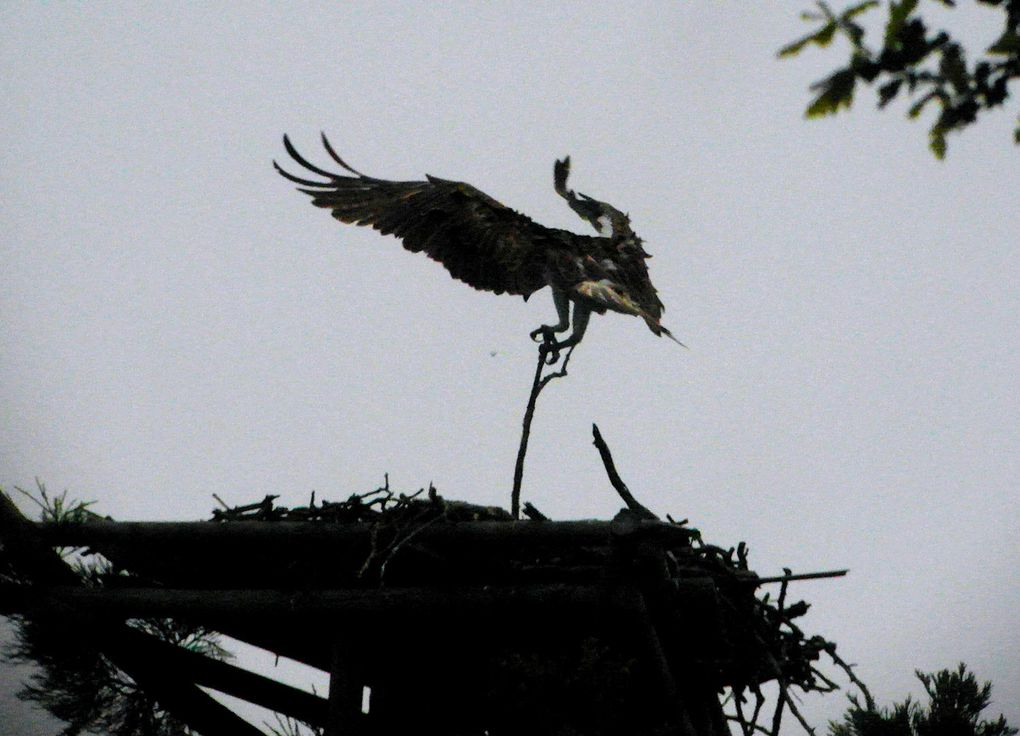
(549, 352)
(546, 334)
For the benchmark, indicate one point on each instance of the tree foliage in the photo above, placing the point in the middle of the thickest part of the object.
(927, 66)
(74, 680)
(955, 704)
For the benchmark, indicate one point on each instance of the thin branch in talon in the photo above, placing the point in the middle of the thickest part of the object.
(560, 373)
(548, 353)
(537, 385)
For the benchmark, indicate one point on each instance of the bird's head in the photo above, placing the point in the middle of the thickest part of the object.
(606, 219)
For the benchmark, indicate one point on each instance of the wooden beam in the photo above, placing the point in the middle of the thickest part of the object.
(798, 576)
(182, 699)
(305, 535)
(30, 555)
(567, 600)
(228, 679)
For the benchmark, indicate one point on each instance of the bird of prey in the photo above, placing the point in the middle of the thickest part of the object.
(494, 248)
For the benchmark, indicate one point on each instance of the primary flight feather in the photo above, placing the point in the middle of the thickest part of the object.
(492, 247)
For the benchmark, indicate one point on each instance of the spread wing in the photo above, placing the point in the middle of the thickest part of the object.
(479, 240)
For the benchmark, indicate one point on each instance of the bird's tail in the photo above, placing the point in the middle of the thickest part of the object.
(658, 329)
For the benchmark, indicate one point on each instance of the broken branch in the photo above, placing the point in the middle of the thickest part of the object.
(614, 477)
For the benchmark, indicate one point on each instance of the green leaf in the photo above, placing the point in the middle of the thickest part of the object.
(1016, 133)
(937, 142)
(898, 14)
(836, 91)
(953, 67)
(918, 106)
(821, 37)
(1008, 43)
(888, 91)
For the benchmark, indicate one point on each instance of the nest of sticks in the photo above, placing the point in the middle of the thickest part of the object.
(739, 631)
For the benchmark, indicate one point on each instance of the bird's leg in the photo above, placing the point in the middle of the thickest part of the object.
(562, 311)
(581, 315)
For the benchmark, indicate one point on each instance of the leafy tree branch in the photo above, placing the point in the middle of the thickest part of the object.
(955, 704)
(929, 67)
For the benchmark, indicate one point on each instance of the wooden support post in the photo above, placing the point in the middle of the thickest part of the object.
(674, 706)
(345, 687)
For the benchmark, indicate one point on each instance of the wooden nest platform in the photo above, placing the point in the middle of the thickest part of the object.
(456, 618)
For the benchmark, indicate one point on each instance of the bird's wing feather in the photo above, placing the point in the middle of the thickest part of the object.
(615, 276)
(635, 281)
(604, 293)
(607, 294)
(479, 240)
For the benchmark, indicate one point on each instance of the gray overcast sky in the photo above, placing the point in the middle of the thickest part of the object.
(178, 322)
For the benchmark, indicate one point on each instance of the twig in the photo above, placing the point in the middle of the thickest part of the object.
(372, 552)
(759, 701)
(849, 670)
(830, 686)
(781, 603)
(532, 513)
(529, 413)
(397, 544)
(753, 727)
(607, 459)
(793, 708)
(748, 726)
(738, 705)
(777, 716)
